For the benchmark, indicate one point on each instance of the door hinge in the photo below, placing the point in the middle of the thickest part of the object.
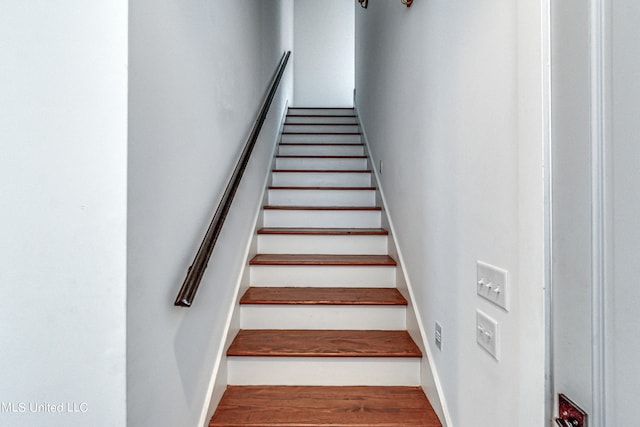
(571, 415)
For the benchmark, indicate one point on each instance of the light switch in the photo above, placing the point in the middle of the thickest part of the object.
(492, 283)
(487, 334)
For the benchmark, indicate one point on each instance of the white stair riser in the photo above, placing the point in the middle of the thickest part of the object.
(315, 244)
(323, 276)
(321, 219)
(303, 163)
(321, 128)
(321, 111)
(321, 138)
(322, 197)
(321, 119)
(321, 150)
(322, 179)
(372, 371)
(323, 317)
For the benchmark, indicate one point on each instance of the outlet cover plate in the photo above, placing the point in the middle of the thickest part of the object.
(492, 284)
(438, 336)
(488, 334)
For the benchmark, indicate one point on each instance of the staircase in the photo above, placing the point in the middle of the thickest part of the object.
(323, 339)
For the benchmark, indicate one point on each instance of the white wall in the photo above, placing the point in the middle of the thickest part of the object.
(63, 99)
(450, 95)
(198, 72)
(324, 59)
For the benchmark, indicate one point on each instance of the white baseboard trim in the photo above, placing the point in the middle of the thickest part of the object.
(218, 379)
(430, 379)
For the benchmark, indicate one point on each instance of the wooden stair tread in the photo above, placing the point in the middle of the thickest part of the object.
(320, 123)
(291, 156)
(273, 187)
(321, 133)
(322, 208)
(323, 144)
(350, 116)
(323, 296)
(289, 406)
(322, 343)
(322, 259)
(323, 170)
(325, 231)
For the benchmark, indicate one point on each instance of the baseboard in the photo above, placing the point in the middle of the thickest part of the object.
(430, 380)
(218, 379)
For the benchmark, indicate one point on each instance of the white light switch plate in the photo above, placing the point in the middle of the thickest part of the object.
(487, 334)
(492, 283)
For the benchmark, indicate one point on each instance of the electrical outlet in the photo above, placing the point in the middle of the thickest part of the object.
(438, 336)
(492, 284)
(487, 334)
(380, 169)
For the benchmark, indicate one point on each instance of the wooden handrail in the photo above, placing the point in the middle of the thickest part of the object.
(196, 270)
